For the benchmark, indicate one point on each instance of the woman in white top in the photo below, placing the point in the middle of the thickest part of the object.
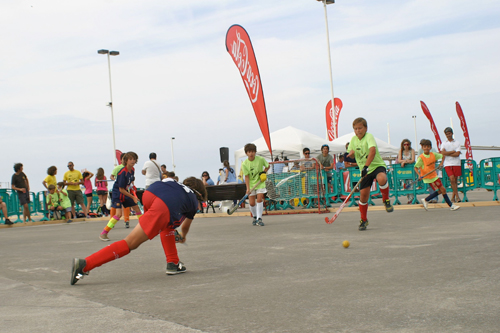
(406, 155)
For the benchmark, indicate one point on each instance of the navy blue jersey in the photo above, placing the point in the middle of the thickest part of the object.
(124, 180)
(180, 200)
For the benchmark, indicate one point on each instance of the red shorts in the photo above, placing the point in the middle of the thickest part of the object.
(453, 170)
(436, 185)
(156, 215)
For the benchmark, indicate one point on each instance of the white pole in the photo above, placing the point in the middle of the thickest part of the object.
(415, 125)
(172, 144)
(388, 134)
(112, 114)
(451, 122)
(330, 64)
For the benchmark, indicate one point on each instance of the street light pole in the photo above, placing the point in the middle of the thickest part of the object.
(415, 125)
(325, 2)
(172, 144)
(110, 104)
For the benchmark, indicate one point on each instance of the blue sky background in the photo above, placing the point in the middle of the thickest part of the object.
(174, 78)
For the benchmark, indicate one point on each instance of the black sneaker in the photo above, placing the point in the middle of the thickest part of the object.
(363, 225)
(8, 222)
(127, 225)
(388, 206)
(175, 269)
(260, 223)
(254, 222)
(77, 272)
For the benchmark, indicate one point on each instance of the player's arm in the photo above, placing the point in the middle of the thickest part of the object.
(247, 183)
(185, 229)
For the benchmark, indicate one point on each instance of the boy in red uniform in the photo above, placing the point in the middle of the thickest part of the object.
(167, 206)
(425, 164)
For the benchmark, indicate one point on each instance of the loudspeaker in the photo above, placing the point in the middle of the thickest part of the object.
(224, 154)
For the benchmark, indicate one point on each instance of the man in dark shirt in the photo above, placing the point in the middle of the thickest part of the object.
(349, 161)
(21, 184)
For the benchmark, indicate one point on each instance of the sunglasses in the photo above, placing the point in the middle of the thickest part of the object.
(70, 165)
(406, 144)
(307, 153)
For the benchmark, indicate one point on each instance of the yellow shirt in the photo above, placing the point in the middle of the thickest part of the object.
(50, 180)
(73, 176)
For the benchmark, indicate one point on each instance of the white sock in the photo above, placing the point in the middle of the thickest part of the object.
(260, 209)
(253, 210)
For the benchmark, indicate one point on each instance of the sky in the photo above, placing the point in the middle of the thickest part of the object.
(174, 77)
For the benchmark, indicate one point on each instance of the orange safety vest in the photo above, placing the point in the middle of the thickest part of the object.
(429, 165)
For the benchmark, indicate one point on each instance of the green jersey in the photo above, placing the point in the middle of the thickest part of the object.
(361, 149)
(52, 199)
(252, 169)
(116, 170)
(64, 199)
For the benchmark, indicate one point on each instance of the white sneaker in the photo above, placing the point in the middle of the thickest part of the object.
(454, 207)
(426, 204)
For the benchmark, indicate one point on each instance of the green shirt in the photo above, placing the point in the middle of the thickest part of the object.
(117, 169)
(64, 199)
(361, 149)
(252, 169)
(52, 199)
(420, 164)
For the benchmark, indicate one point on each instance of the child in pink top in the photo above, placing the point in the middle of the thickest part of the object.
(87, 175)
(102, 190)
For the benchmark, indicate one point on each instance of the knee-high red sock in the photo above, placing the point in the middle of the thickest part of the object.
(363, 209)
(168, 242)
(107, 254)
(384, 189)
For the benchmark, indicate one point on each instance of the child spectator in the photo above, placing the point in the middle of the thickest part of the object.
(101, 185)
(87, 176)
(252, 168)
(53, 203)
(364, 149)
(425, 164)
(3, 209)
(340, 164)
(230, 175)
(64, 201)
(51, 177)
(21, 184)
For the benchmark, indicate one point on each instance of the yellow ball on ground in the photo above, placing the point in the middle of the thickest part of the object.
(346, 244)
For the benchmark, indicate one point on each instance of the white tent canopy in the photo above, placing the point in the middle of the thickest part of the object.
(290, 141)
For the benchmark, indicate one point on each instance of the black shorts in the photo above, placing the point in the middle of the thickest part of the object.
(102, 192)
(88, 195)
(368, 180)
(122, 200)
(24, 198)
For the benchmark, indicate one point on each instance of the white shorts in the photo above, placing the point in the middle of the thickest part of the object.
(257, 191)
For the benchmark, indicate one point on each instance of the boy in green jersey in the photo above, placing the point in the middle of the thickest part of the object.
(364, 148)
(252, 168)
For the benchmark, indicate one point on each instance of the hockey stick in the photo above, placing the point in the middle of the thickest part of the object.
(416, 180)
(235, 207)
(287, 178)
(337, 213)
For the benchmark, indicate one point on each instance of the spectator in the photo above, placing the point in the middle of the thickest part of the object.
(87, 176)
(307, 165)
(151, 170)
(230, 175)
(53, 203)
(163, 171)
(349, 162)
(296, 166)
(277, 168)
(72, 179)
(406, 156)
(101, 185)
(171, 174)
(452, 163)
(340, 164)
(51, 177)
(286, 166)
(219, 178)
(64, 201)
(205, 178)
(326, 161)
(21, 184)
(3, 208)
